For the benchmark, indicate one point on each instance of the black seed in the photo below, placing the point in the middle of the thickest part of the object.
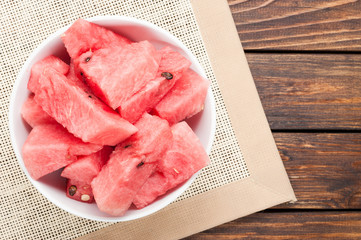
(167, 75)
(87, 59)
(81, 73)
(140, 164)
(126, 146)
(89, 96)
(72, 190)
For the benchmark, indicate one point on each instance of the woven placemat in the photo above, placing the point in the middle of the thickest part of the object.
(25, 213)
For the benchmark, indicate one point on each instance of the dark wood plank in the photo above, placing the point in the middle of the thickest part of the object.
(324, 169)
(298, 25)
(288, 225)
(309, 91)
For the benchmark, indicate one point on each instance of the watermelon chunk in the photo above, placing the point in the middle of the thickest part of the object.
(71, 75)
(80, 112)
(119, 181)
(149, 138)
(50, 147)
(185, 99)
(156, 185)
(87, 167)
(150, 95)
(79, 191)
(33, 114)
(187, 154)
(130, 166)
(74, 77)
(186, 157)
(83, 36)
(38, 68)
(115, 74)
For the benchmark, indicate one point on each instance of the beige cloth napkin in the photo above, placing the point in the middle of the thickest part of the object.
(246, 173)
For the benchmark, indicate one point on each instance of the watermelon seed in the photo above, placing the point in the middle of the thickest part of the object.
(140, 164)
(167, 75)
(72, 190)
(81, 73)
(175, 170)
(126, 146)
(89, 96)
(85, 197)
(87, 59)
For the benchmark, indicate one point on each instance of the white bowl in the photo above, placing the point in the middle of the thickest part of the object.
(52, 186)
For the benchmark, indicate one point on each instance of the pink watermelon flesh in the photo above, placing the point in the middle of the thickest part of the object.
(80, 112)
(33, 114)
(79, 191)
(50, 147)
(118, 182)
(83, 36)
(75, 77)
(156, 185)
(150, 95)
(38, 68)
(185, 157)
(130, 166)
(185, 99)
(149, 138)
(187, 154)
(87, 167)
(115, 74)
(72, 76)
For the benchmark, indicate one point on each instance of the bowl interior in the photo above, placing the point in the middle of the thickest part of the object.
(52, 186)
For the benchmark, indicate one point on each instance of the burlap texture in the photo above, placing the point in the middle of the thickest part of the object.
(25, 213)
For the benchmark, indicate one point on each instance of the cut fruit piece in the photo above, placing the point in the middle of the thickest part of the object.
(115, 74)
(185, 99)
(119, 181)
(75, 77)
(72, 76)
(50, 147)
(33, 114)
(156, 185)
(79, 111)
(87, 167)
(153, 132)
(171, 68)
(83, 36)
(130, 166)
(38, 68)
(79, 191)
(185, 157)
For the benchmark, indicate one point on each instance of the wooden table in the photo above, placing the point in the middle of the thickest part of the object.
(305, 58)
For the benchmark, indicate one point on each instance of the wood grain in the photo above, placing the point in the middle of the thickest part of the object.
(298, 25)
(309, 91)
(288, 225)
(324, 169)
